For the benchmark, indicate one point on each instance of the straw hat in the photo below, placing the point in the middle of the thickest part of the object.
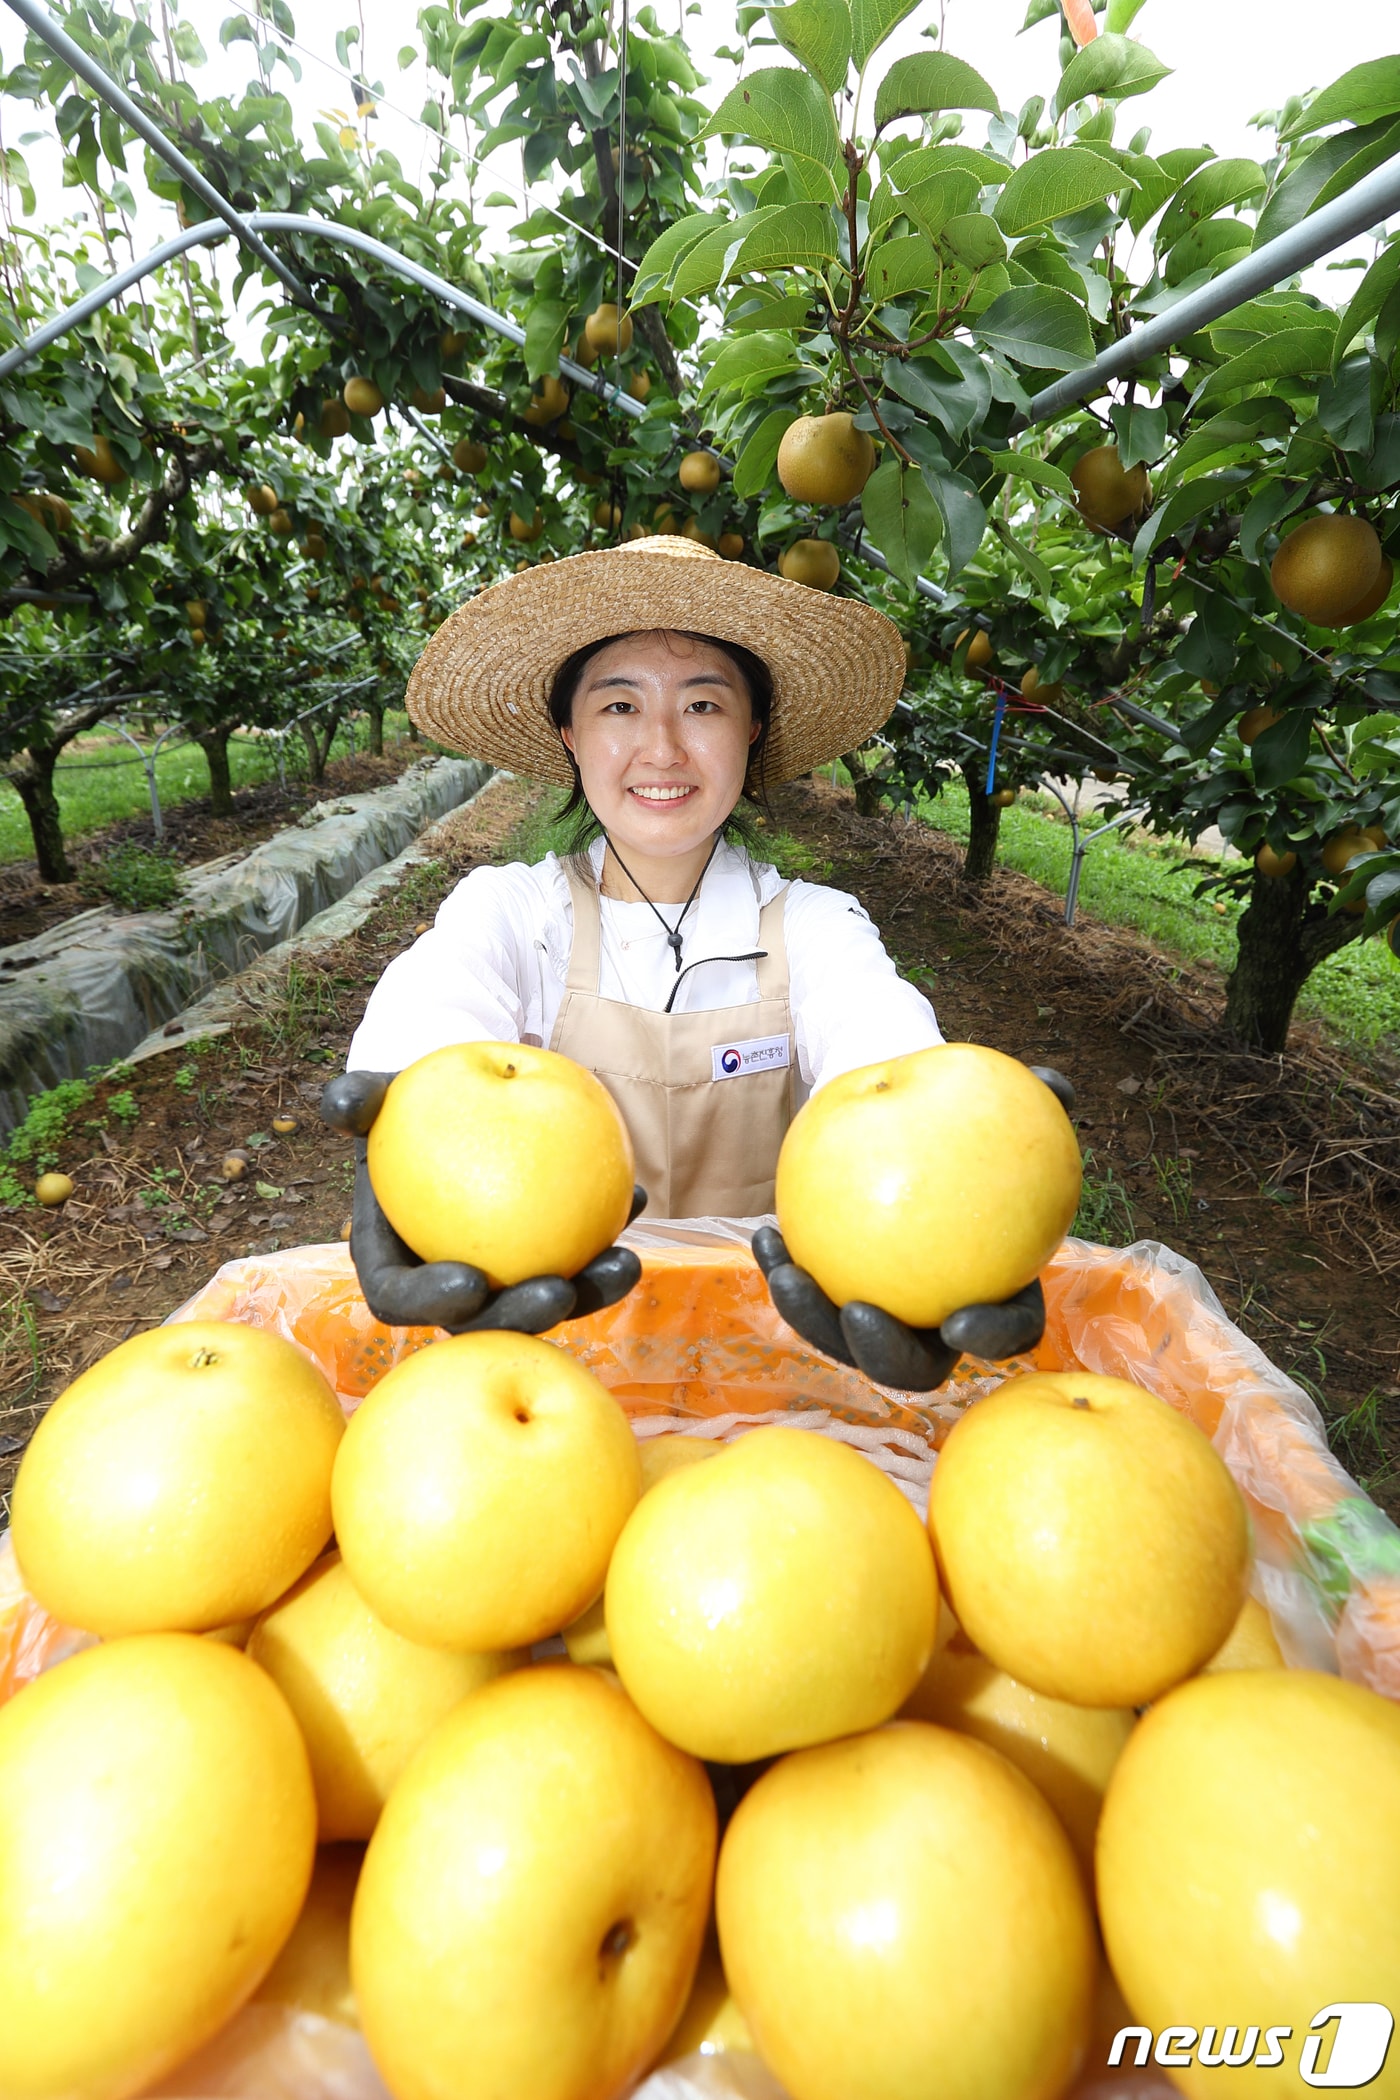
(482, 684)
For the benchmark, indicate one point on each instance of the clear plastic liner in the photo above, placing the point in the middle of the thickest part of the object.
(89, 990)
(698, 1348)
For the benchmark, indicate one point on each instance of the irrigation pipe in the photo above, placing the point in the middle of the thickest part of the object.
(1369, 204)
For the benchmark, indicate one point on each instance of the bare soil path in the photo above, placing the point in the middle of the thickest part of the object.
(1183, 1145)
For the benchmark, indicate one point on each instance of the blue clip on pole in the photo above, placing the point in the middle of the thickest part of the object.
(997, 719)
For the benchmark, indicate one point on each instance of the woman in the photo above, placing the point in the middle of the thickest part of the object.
(709, 996)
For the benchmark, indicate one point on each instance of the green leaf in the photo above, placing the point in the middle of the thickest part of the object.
(1121, 15)
(750, 359)
(658, 265)
(909, 263)
(1211, 189)
(1038, 325)
(1344, 406)
(964, 517)
(1362, 94)
(901, 518)
(871, 23)
(1279, 754)
(974, 239)
(782, 110)
(753, 469)
(1268, 507)
(1141, 433)
(525, 50)
(950, 194)
(818, 34)
(927, 81)
(776, 236)
(1331, 166)
(1112, 66)
(1292, 354)
(546, 325)
(1053, 480)
(1188, 503)
(797, 235)
(1053, 184)
(910, 164)
(1030, 564)
(1368, 299)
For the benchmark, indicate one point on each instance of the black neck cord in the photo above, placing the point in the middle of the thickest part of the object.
(673, 933)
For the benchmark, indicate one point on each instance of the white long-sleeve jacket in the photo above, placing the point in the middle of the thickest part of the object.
(493, 967)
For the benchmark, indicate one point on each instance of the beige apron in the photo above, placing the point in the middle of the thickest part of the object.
(706, 1096)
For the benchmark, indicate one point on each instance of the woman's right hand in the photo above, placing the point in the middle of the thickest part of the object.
(404, 1291)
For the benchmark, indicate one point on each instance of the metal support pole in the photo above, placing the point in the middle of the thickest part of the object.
(58, 40)
(1369, 204)
(339, 236)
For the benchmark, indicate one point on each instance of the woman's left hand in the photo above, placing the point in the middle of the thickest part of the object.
(912, 1359)
(404, 1291)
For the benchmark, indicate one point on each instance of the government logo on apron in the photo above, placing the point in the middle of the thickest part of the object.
(765, 1053)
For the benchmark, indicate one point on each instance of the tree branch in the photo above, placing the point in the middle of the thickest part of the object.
(103, 556)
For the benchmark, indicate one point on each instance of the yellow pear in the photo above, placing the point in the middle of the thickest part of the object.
(364, 1697)
(699, 472)
(1255, 720)
(1249, 1865)
(1274, 865)
(532, 1905)
(480, 1491)
(1326, 568)
(312, 1973)
(1107, 494)
(941, 1179)
(780, 1595)
(362, 397)
(901, 1914)
(1251, 1643)
(499, 1154)
(825, 459)
(180, 1483)
(1067, 1751)
(157, 1827)
(712, 2024)
(1091, 1540)
(1375, 598)
(813, 562)
(587, 1638)
(607, 332)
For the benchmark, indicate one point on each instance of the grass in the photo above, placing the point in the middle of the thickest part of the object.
(36, 1145)
(1138, 882)
(94, 791)
(1105, 1213)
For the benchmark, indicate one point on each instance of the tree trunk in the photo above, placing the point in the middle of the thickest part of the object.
(30, 774)
(1282, 939)
(413, 736)
(374, 709)
(981, 856)
(318, 748)
(214, 744)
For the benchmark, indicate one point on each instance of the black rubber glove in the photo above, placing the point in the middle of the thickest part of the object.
(913, 1359)
(404, 1291)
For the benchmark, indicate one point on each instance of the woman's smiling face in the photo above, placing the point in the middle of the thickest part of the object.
(660, 732)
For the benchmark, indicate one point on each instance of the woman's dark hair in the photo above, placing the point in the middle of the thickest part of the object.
(758, 681)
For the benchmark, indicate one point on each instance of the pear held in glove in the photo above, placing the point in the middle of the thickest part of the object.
(942, 1179)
